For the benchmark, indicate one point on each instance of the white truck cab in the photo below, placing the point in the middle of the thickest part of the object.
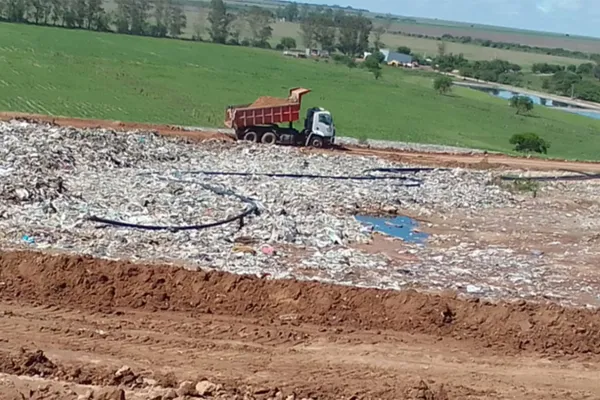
(319, 127)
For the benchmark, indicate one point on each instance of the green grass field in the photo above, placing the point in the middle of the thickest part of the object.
(93, 75)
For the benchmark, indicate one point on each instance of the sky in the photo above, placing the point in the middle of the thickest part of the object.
(575, 17)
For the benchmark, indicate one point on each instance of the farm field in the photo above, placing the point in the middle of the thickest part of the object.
(540, 39)
(436, 27)
(196, 18)
(429, 47)
(84, 74)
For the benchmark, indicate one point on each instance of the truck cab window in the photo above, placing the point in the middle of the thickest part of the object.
(325, 119)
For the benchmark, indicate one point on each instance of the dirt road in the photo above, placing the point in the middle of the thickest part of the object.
(420, 158)
(91, 317)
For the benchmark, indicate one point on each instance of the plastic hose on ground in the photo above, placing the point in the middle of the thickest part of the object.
(253, 206)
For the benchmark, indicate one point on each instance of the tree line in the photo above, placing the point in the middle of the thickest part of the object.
(321, 26)
(580, 81)
(499, 71)
(158, 18)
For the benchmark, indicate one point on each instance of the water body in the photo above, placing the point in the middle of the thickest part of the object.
(541, 101)
(398, 227)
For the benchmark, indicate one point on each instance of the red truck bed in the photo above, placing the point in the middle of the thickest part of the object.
(280, 110)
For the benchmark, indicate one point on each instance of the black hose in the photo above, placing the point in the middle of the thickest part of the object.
(406, 170)
(253, 208)
(335, 177)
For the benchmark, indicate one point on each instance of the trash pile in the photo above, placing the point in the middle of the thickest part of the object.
(53, 180)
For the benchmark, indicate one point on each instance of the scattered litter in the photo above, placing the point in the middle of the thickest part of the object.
(54, 179)
(28, 239)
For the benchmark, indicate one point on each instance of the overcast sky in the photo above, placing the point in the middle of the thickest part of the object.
(577, 17)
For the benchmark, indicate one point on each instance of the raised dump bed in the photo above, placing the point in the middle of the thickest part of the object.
(259, 121)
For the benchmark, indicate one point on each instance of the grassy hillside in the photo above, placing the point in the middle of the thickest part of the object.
(85, 74)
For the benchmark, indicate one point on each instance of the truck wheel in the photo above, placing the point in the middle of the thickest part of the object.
(316, 142)
(251, 137)
(268, 138)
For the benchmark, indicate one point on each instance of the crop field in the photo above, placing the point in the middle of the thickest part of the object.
(196, 20)
(93, 75)
(429, 47)
(435, 27)
(584, 44)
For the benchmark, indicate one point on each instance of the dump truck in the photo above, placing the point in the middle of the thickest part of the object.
(259, 122)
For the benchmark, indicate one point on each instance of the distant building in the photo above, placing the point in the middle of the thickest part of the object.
(391, 57)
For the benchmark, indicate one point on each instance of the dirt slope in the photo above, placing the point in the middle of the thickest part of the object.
(322, 341)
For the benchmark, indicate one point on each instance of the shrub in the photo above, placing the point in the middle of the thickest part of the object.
(288, 43)
(279, 46)
(523, 104)
(442, 84)
(529, 142)
(373, 64)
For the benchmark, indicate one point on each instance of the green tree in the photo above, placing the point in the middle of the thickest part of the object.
(373, 64)
(177, 20)
(523, 104)
(219, 21)
(78, 13)
(161, 18)
(38, 10)
(291, 12)
(354, 34)
(585, 68)
(442, 84)
(529, 142)
(57, 12)
(404, 50)
(441, 49)
(324, 31)
(379, 31)
(288, 43)
(131, 17)
(308, 30)
(95, 16)
(235, 31)
(377, 34)
(16, 10)
(259, 20)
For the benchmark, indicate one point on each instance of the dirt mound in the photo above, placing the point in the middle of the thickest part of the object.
(28, 363)
(89, 283)
(268, 101)
(35, 363)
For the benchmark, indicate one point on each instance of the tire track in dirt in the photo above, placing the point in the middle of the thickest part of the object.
(94, 284)
(389, 365)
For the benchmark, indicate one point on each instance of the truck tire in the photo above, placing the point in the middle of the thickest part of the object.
(268, 138)
(251, 137)
(317, 142)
